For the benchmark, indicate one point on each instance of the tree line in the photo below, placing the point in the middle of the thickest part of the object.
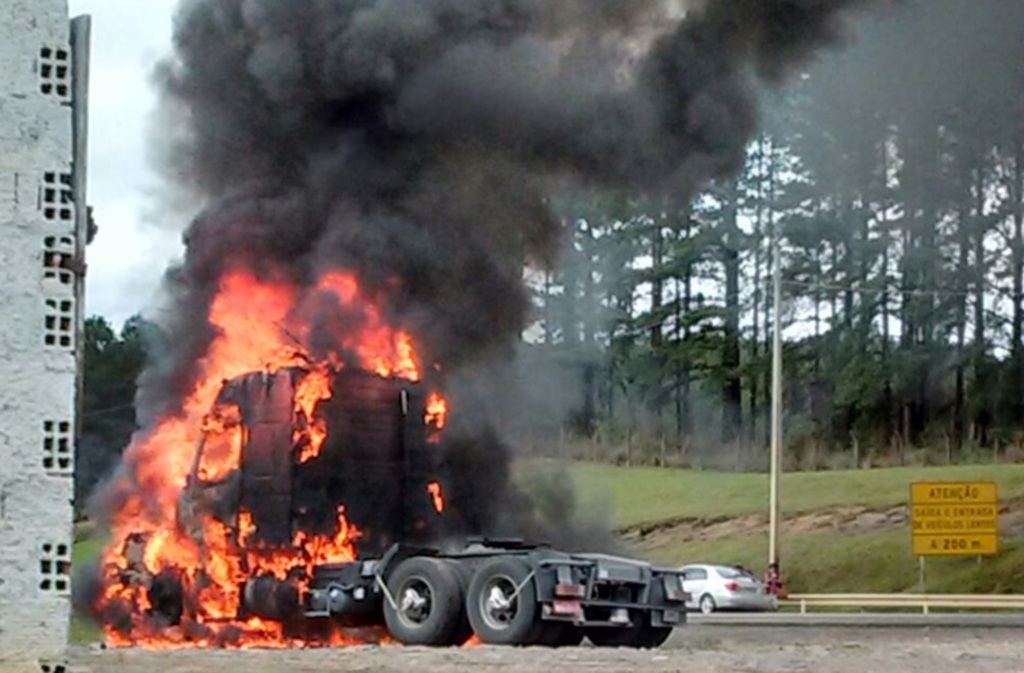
(891, 174)
(112, 362)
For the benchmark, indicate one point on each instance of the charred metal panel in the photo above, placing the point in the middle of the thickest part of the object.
(376, 461)
(422, 523)
(267, 411)
(362, 463)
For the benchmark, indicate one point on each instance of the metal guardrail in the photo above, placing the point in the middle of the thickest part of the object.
(861, 619)
(922, 602)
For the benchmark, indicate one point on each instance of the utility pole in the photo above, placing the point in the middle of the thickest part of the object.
(776, 439)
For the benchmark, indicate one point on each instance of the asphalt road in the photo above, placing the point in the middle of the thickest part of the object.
(697, 648)
(720, 643)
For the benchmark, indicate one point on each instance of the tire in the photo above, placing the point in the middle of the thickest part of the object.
(611, 636)
(429, 601)
(640, 635)
(167, 597)
(464, 574)
(496, 619)
(707, 604)
(653, 637)
(558, 634)
(572, 636)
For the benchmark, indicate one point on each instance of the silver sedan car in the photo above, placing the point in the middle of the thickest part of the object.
(720, 587)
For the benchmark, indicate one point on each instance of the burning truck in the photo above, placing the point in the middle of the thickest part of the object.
(312, 510)
(370, 171)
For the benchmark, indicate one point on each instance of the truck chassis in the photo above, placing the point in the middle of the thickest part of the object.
(506, 593)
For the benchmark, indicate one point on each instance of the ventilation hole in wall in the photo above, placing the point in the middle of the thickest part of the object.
(57, 197)
(54, 73)
(54, 567)
(59, 323)
(58, 259)
(58, 454)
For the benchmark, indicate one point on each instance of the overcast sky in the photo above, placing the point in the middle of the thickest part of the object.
(128, 256)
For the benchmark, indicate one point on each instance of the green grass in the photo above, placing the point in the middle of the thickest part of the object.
(87, 550)
(647, 495)
(83, 630)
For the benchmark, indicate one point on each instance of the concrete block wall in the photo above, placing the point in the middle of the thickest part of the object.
(38, 352)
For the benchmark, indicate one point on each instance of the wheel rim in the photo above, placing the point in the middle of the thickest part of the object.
(415, 602)
(707, 606)
(499, 603)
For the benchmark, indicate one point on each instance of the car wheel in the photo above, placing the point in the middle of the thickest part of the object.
(707, 604)
(428, 607)
(498, 613)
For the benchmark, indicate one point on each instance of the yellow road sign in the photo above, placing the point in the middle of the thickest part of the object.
(954, 518)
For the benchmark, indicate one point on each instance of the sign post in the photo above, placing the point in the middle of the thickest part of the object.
(954, 518)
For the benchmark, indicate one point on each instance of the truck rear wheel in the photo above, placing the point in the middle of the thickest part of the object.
(560, 634)
(463, 632)
(502, 603)
(640, 635)
(428, 606)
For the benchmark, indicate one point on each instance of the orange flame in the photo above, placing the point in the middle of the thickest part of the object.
(436, 495)
(313, 389)
(259, 326)
(222, 442)
(437, 411)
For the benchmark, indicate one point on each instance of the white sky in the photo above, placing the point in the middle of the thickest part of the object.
(128, 256)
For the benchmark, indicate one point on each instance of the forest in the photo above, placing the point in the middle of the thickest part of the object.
(887, 188)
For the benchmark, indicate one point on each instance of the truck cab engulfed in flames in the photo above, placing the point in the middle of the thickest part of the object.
(316, 503)
(364, 448)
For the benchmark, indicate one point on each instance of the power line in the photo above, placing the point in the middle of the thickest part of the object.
(108, 410)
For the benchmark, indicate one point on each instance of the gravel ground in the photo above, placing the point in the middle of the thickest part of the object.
(693, 650)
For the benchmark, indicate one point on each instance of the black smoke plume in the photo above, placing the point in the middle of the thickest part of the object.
(417, 143)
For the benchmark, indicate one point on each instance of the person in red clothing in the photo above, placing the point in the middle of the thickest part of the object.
(773, 581)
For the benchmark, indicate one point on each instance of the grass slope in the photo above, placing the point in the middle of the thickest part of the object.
(814, 562)
(647, 495)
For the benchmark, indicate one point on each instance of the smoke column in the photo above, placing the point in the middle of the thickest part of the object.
(417, 142)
